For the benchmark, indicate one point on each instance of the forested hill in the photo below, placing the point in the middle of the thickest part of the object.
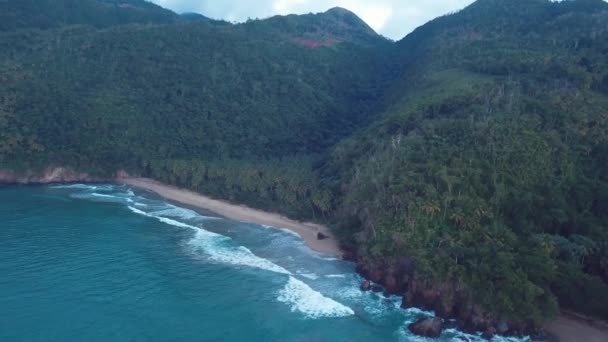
(329, 28)
(465, 164)
(222, 101)
(50, 14)
(45, 14)
(490, 165)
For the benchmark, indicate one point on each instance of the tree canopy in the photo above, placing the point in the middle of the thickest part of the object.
(478, 144)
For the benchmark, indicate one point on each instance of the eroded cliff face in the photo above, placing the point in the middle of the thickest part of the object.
(49, 175)
(450, 300)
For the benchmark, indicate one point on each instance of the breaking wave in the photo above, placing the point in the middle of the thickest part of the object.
(311, 303)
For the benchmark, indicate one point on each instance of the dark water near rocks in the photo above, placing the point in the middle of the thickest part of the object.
(110, 263)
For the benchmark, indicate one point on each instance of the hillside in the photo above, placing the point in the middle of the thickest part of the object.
(192, 98)
(323, 29)
(464, 166)
(52, 14)
(46, 14)
(489, 168)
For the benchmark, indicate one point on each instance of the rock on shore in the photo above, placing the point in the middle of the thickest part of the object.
(427, 327)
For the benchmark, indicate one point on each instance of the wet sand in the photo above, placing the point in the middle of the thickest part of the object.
(308, 231)
(569, 327)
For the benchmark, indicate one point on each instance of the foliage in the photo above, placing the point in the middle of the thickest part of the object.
(489, 166)
(477, 144)
(45, 14)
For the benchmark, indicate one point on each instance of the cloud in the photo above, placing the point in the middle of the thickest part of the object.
(392, 18)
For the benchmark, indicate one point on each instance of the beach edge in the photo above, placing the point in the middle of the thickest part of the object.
(309, 232)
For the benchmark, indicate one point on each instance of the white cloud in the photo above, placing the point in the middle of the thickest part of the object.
(286, 6)
(375, 14)
(392, 18)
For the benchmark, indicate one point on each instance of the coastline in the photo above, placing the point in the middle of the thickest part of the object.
(566, 328)
(307, 231)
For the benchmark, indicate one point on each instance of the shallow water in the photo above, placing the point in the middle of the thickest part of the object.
(111, 263)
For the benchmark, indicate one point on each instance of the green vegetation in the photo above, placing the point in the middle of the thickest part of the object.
(490, 169)
(477, 145)
(45, 14)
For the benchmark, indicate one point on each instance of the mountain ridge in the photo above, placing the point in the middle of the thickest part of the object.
(47, 14)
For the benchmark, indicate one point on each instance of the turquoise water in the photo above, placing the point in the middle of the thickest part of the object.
(111, 263)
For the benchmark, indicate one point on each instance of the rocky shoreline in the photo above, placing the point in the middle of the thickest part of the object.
(453, 306)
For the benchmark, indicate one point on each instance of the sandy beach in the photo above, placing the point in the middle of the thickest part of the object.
(308, 231)
(570, 327)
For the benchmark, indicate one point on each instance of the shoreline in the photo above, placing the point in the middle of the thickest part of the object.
(570, 326)
(306, 230)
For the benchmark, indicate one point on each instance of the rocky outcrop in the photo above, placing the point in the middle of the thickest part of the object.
(377, 288)
(427, 327)
(449, 300)
(48, 175)
(394, 275)
(366, 286)
(489, 333)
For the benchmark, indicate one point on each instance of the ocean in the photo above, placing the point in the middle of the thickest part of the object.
(112, 263)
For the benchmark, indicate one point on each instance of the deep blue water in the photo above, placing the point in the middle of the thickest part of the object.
(111, 263)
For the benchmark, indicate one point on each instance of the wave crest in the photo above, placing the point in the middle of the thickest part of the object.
(311, 303)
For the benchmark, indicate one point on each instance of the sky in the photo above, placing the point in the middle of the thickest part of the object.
(392, 18)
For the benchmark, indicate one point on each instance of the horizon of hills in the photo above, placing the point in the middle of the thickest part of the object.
(464, 166)
(48, 14)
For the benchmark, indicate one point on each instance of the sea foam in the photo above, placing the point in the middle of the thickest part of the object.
(182, 213)
(219, 250)
(75, 186)
(172, 222)
(296, 293)
(311, 303)
(310, 276)
(95, 194)
(285, 230)
(117, 197)
(291, 232)
(217, 247)
(173, 211)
